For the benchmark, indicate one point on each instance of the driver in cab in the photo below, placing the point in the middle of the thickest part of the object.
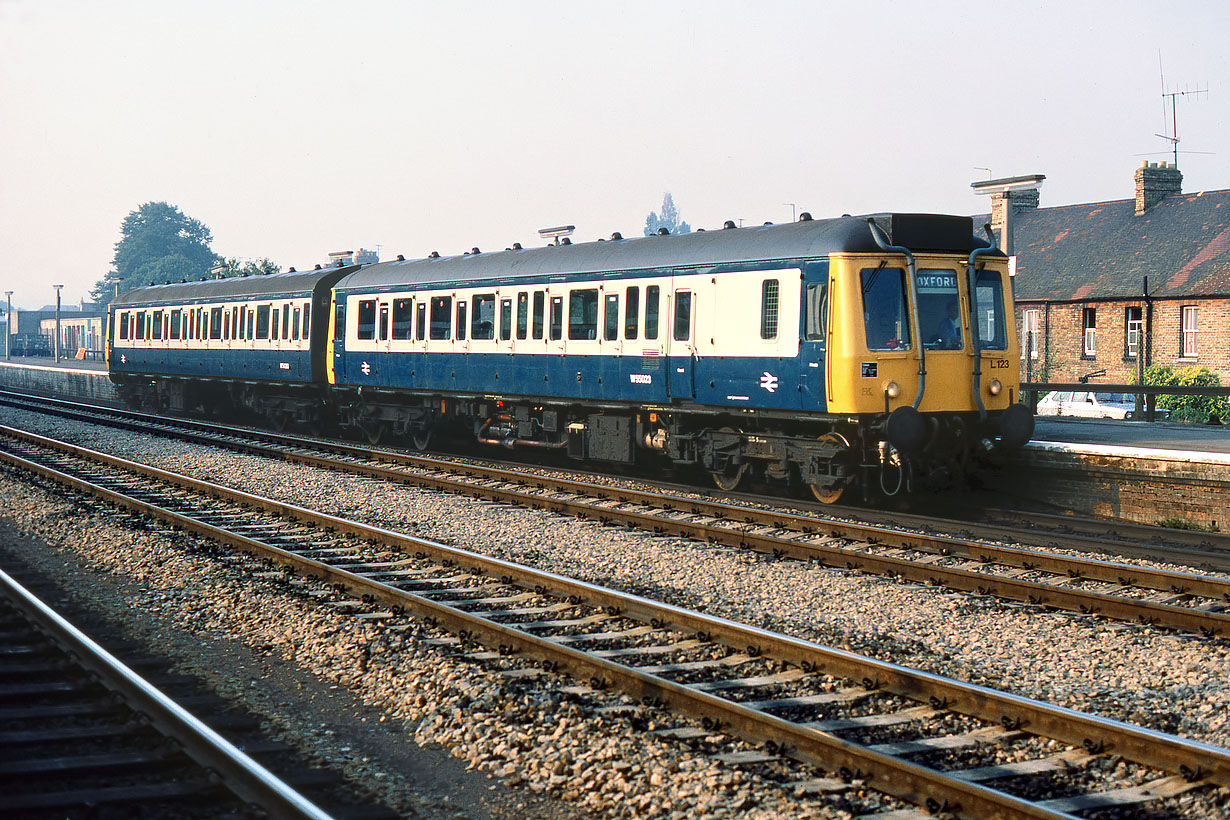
(948, 333)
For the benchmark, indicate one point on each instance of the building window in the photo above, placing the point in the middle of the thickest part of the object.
(1029, 327)
(1089, 324)
(1191, 321)
(1132, 325)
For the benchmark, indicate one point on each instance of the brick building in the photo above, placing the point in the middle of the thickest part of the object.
(1082, 301)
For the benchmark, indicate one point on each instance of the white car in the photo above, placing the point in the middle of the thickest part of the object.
(1093, 406)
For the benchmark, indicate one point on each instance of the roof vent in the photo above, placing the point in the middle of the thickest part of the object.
(805, 217)
(729, 225)
(664, 231)
(433, 255)
(517, 246)
(316, 268)
(565, 241)
(401, 257)
(291, 270)
(617, 236)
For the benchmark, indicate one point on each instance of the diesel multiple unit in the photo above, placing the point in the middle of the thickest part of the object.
(876, 352)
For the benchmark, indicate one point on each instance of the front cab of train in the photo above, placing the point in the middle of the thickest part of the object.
(925, 348)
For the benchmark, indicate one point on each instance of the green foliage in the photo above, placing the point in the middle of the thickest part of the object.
(260, 267)
(669, 219)
(1184, 524)
(1188, 408)
(159, 243)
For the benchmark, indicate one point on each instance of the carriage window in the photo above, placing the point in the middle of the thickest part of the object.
(286, 321)
(307, 312)
(226, 324)
(215, 323)
(483, 316)
(156, 330)
(262, 322)
(557, 318)
(441, 310)
(768, 309)
(123, 323)
(817, 313)
(384, 323)
(461, 318)
(339, 321)
(251, 323)
(631, 310)
(140, 324)
(610, 323)
(539, 305)
(401, 318)
(989, 303)
(651, 311)
(243, 322)
(235, 323)
(294, 326)
(275, 326)
(885, 320)
(583, 314)
(177, 318)
(683, 316)
(367, 320)
(420, 322)
(523, 314)
(505, 319)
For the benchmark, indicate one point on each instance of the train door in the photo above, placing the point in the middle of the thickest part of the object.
(813, 345)
(681, 344)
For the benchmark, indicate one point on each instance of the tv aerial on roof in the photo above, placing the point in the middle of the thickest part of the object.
(1171, 98)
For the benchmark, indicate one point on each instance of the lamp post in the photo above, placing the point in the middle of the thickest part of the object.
(8, 322)
(57, 287)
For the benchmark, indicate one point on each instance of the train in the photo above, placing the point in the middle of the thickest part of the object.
(855, 356)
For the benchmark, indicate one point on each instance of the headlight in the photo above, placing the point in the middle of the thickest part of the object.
(892, 390)
(995, 387)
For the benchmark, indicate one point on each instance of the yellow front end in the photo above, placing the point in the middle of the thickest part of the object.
(882, 332)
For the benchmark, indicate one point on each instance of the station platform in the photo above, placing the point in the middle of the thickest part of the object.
(1134, 470)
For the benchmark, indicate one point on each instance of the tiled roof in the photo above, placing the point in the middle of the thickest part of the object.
(1103, 250)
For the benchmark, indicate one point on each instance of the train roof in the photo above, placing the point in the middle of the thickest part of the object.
(765, 243)
(235, 288)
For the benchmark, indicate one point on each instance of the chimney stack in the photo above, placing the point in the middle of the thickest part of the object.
(1154, 182)
(1009, 197)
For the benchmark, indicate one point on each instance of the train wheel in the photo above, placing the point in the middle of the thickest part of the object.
(421, 439)
(377, 432)
(727, 480)
(830, 492)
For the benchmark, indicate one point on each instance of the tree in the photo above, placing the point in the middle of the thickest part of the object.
(259, 267)
(669, 219)
(159, 243)
(1188, 408)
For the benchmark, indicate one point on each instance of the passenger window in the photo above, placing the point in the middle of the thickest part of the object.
(420, 322)
(286, 321)
(294, 326)
(274, 326)
(461, 319)
(539, 305)
(505, 319)
(401, 318)
(441, 316)
(140, 324)
(177, 318)
(631, 312)
(339, 321)
(523, 314)
(610, 323)
(243, 321)
(683, 316)
(583, 314)
(156, 333)
(886, 322)
(768, 309)
(817, 313)
(483, 316)
(262, 322)
(557, 318)
(652, 294)
(307, 323)
(367, 320)
(384, 323)
(215, 323)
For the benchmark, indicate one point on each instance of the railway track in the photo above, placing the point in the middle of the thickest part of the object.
(935, 742)
(970, 562)
(82, 732)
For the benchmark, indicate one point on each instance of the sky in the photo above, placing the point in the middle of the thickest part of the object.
(294, 129)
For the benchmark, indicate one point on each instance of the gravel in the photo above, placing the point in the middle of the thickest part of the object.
(585, 755)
